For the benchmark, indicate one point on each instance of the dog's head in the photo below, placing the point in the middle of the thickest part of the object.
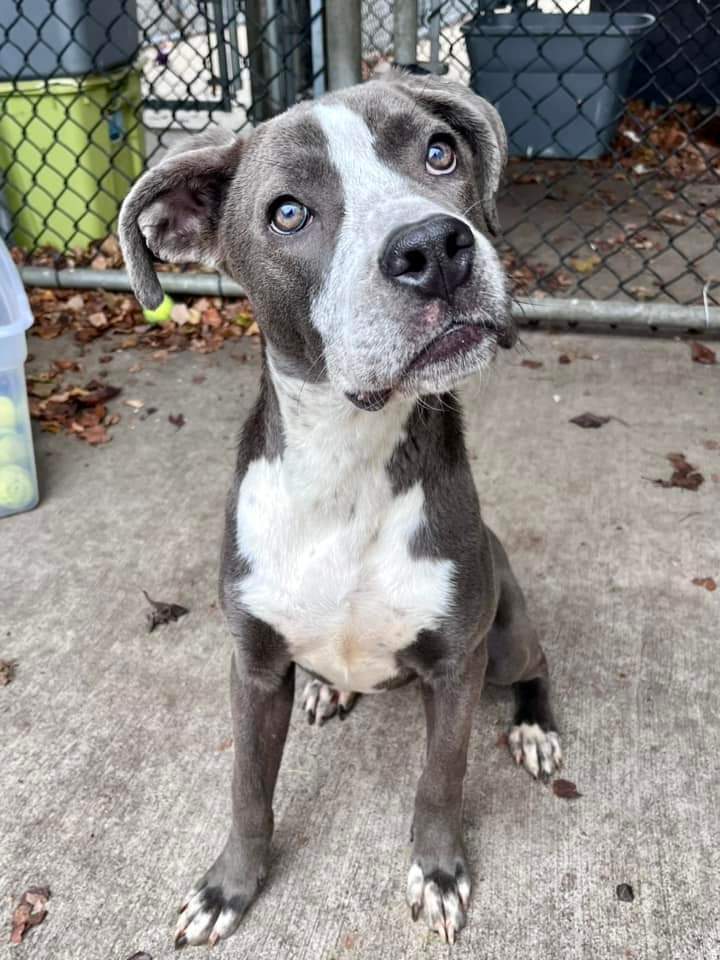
(358, 225)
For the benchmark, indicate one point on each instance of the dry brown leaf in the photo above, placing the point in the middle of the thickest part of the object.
(177, 420)
(253, 330)
(711, 444)
(96, 435)
(590, 421)
(565, 789)
(98, 320)
(684, 474)
(75, 303)
(30, 911)
(706, 582)
(7, 672)
(532, 364)
(701, 353)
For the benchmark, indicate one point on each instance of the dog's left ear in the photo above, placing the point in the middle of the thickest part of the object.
(474, 120)
(174, 210)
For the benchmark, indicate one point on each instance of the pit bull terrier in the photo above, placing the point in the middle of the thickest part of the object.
(359, 224)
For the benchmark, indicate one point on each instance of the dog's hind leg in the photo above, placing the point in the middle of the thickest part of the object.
(516, 658)
(321, 701)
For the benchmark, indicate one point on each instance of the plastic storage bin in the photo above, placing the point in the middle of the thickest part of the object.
(558, 80)
(71, 150)
(18, 479)
(67, 38)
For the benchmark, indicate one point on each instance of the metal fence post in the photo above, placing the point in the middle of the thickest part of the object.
(405, 31)
(344, 48)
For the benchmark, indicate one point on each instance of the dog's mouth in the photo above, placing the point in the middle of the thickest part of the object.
(452, 343)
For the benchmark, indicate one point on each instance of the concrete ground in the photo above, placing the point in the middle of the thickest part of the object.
(114, 761)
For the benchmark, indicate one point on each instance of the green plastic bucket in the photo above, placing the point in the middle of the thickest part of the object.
(69, 150)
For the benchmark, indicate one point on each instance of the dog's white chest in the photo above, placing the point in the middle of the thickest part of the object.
(329, 549)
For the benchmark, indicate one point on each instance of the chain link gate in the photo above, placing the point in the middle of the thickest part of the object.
(613, 185)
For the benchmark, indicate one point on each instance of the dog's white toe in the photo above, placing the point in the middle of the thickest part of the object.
(535, 749)
(441, 898)
(321, 701)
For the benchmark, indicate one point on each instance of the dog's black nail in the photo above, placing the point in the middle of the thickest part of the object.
(311, 717)
(415, 911)
(180, 941)
(342, 712)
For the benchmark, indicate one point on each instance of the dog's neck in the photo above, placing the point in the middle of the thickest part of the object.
(326, 442)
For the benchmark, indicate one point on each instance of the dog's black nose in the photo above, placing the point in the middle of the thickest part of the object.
(434, 256)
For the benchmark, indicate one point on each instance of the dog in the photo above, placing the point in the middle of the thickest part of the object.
(359, 224)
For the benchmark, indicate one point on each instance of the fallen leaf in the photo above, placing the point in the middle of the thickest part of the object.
(98, 320)
(253, 330)
(565, 789)
(75, 303)
(624, 892)
(532, 364)
(110, 247)
(135, 368)
(180, 313)
(96, 435)
(584, 264)
(7, 672)
(643, 293)
(711, 444)
(199, 378)
(701, 353)
(672, 216)
(177, 420)
(40, 389)
(684, 475)
(30, 911)
(706, 582)
(564, 358)
(590, 421)
(99, 262)
(134, 404)
(162, 612)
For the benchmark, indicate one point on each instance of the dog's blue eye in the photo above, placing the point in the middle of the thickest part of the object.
(440, 157)
(289, 216)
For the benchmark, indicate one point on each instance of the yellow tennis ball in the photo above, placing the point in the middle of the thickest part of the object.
(8, 415)
(16, 487)
(12, 449)
(162, 313)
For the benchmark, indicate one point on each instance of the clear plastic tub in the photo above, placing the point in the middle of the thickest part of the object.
(18, 479)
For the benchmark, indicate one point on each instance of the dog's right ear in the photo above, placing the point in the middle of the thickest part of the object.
(174, 210)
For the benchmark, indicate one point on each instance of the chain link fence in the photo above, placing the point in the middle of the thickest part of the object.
(93, 91)
(611, 106)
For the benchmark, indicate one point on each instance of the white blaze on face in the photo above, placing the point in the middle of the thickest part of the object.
(377, 199)
(360, 315)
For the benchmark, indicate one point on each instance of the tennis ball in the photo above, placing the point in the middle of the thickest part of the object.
(12, 449)
(16, 487)
(8, 416)
(162, 313)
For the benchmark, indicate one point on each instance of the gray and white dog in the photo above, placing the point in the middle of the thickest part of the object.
(354, 545)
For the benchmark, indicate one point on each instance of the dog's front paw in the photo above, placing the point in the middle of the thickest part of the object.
(441, 896)
(321, 701)
(216, 904)
(535, 749)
